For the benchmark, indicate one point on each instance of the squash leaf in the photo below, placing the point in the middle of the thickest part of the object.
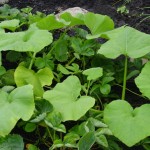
(64, 98)
(18, 104)
(125, 41)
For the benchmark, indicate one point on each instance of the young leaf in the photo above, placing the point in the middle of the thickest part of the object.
(18, 104)
(12, 142)
(61, 50)
(98, 24)
(45, 76)
(126, 122)
(51, 23)
(57, 144)
(125, 41)
(54, 120)
(30, 127)
(31, 147)
(26, 40)
(25, 76)
(10, 24)
(63, 70)
(64, 98)
(93, 73)
(70, 139)
(87, 141)
(143, 82)
(74, 20)
(105, 89)
(101, 139)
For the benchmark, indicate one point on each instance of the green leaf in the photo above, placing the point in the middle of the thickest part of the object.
(93, 73)
(31, 147)
(61, 50)
(143, 82)
(32, 40)
(18, 104)
(45, 76)
(101, 140)
(2, 70)
(13, 56)
(81, 47)
(51, 23)
(12, 142)
(10, 24)
(43, 106)
(97, 123)
(70, 139)
(87, 141)
(57, 144)
(63, 70)
(74, 20)
(54, 120)
(43, 62)
(30, 127)
(64, 98)
(126, 122)
(125, 41)
(8, 78)
(24, 76)
(98, 24)
(105, 89)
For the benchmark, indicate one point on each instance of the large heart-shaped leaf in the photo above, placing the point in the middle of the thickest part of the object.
(32, 40)
(64, 98)
(128, 124)
(18, 104)
(126, 41)
(98, 24)
(143, 81)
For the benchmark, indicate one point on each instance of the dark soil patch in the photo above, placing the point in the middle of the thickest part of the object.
(137, 9)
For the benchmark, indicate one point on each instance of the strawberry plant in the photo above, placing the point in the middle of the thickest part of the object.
(58, 82)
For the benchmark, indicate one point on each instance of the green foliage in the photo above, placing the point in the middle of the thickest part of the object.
(59, 90)
(12, 142)
(93, 73)
(87, 141)
(14, 106)
(125, 41)
(132, 121)
(66, 94)
(25, 40)
(98, 24)
(142, 81)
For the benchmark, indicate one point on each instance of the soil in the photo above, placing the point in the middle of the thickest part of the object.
(138, 9)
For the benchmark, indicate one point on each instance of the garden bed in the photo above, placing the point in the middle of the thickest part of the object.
(72, 83)
(136, 9)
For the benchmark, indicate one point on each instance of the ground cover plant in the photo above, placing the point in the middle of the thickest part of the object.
(64, 82)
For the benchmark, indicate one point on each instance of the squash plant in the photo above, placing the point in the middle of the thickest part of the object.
(57, 81)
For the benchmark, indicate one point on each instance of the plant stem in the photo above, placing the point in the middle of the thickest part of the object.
(49, 133)
(88, 87)
(70, 62)
(124, 78)
(32, 60)
(132, 91)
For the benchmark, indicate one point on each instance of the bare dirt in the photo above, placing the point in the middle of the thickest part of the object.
(138, 9)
